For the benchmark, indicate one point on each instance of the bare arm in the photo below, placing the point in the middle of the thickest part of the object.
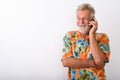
(78, 63)
(98, 55)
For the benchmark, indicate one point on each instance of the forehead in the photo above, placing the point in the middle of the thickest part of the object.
(83, 13)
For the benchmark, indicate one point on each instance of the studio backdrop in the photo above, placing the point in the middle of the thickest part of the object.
(31, 36)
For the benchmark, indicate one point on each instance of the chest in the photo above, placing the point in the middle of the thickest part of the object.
(81, 48)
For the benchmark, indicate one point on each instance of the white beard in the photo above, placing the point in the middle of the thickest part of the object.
(84, 29)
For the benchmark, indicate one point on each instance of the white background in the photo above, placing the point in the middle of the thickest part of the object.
(31, 33)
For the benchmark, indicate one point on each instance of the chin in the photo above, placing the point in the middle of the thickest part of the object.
(84, 32)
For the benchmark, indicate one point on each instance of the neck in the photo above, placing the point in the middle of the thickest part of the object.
(84, 34)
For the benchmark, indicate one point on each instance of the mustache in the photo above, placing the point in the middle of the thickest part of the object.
(82, 24)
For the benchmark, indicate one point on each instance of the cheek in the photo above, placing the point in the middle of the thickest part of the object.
(78, 22)
(87, 22)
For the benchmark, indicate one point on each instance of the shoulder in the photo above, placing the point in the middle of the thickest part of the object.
(72, 32)
(102, 36)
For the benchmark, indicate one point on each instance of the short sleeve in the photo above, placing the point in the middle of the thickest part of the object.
(67, 52)
(104, 45)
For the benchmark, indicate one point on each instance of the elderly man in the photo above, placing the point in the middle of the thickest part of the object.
(85, 52)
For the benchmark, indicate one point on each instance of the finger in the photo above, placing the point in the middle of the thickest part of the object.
(94, 24)
(95, 20)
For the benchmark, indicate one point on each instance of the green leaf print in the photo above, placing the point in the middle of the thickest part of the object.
(85, 49)
(76, 53)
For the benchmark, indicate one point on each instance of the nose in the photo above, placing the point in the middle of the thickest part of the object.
(81, 21)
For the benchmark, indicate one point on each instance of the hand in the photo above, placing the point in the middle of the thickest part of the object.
(100, 66)
(94, 26)
(64, 62)
(69, 62)
(93, 65)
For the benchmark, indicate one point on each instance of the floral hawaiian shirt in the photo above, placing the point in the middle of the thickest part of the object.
(78, 46)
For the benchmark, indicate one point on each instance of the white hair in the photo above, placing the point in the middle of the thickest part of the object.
(86, 6)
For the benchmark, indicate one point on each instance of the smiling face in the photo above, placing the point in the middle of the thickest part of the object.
(83, 19)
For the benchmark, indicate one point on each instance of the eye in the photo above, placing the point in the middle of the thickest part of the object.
(85, 18)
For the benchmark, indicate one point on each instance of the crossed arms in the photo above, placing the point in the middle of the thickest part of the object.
(97, 62)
